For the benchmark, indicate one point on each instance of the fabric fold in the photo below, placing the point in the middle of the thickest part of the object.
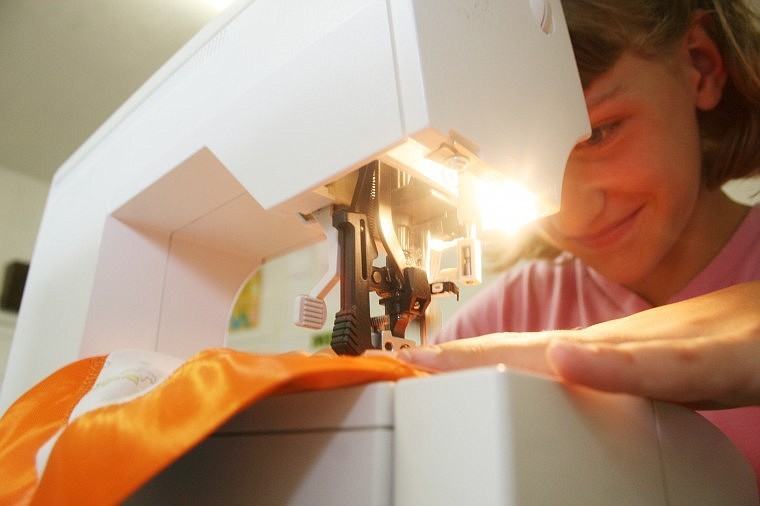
(106, 454)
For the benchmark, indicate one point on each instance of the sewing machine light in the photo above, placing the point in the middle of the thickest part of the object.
(416, 158)
(506, 206)
(496, 202)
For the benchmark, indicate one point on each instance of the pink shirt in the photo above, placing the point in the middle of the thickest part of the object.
(565, 294)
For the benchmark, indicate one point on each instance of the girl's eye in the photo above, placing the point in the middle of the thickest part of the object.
(601, 135)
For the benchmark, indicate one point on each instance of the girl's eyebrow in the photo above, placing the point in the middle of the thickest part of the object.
(596, 99)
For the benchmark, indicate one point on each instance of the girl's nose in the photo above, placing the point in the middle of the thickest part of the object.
(582, 201)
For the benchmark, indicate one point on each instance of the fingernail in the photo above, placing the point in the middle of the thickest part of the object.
(563, 346)
(562, 354)
(420, 355)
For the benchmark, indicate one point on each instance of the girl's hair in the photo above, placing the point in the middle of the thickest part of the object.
(600, 30)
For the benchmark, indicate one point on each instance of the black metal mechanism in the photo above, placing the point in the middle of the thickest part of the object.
(352, 332)
(402, 284)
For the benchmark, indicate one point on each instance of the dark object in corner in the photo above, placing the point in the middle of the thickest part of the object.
(13, 285)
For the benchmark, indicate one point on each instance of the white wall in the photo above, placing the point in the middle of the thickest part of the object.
(22, 200)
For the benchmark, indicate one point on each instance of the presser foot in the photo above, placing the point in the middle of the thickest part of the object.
(384, 340)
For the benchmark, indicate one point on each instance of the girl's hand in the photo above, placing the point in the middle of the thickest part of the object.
(704, 352)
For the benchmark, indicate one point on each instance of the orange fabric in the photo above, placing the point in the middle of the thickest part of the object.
(107, 454)
(35, 418)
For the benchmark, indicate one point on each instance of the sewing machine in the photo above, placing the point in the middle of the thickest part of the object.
(371, 123)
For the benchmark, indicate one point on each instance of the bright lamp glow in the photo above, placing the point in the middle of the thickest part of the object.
(506, 206)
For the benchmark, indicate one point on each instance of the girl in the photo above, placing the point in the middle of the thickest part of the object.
(673, 94)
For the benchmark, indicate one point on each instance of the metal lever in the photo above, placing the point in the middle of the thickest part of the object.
(352, 331)
(310, 311)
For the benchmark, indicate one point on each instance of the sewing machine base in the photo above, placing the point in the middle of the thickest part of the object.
(485, 436)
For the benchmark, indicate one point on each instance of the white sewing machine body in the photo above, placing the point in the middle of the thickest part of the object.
(206, 172)
(153, 225)
(487, 436)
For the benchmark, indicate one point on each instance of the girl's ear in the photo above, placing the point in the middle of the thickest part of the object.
(706, 61)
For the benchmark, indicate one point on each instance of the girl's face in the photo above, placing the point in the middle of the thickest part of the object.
(631, 189)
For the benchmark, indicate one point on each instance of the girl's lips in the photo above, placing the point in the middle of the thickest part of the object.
(610, 234)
